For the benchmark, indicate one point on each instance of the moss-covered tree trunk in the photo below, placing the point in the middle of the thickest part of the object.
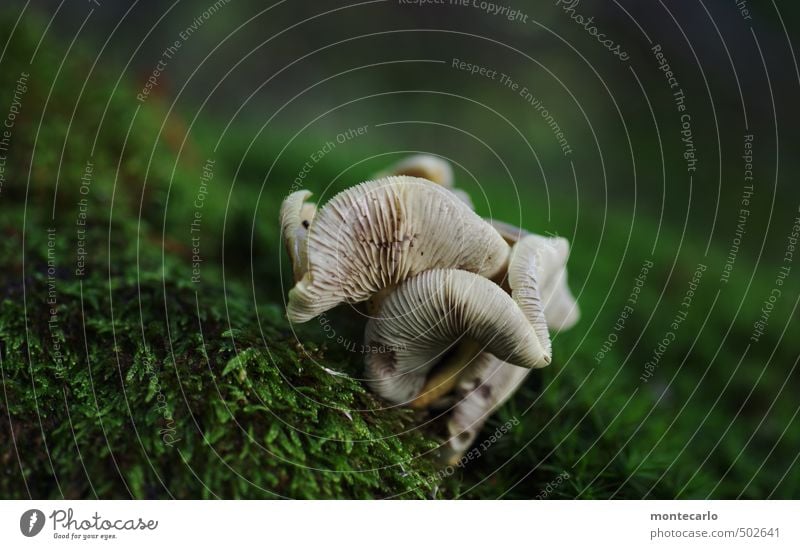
(130, 366)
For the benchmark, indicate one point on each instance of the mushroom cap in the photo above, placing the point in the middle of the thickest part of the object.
(426, 315)
(524, 277)
(379, 233)
(432, 168)
(537, 275)
(296, 217)
(425, 166)
(487, 384)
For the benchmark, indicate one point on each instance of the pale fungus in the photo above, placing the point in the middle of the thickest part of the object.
(483, 388)
(537, 268)
(460, 307)
(545, 258)
(426, 166)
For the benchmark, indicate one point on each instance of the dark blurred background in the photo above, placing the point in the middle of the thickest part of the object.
(296, 72)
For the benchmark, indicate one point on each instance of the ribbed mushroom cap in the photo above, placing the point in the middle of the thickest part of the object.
(426, 315)
(537, 273)
(487, 384)
(381, 232)
(296, 217)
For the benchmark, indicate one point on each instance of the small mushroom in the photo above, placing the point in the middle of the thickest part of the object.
(425, 166)
(379, 233)
(537, 277)
(296, 217)
(432, 168)
(550, 254)
(436, 313)
(545, 258)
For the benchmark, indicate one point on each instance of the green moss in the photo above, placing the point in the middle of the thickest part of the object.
(146, 386)
(126, 378)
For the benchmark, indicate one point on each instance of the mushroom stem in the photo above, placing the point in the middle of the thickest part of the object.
(374, 303)
(446, 376)
(480, 391)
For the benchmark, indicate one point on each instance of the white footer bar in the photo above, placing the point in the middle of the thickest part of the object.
(390, 524)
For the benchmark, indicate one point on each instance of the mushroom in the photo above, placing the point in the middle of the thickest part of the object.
(537, 277)
(379, 233)
(551, 254)
(437, 277)
(296, 217)
(426, 166)
(484, 387)
(431, 317)
(546, 258)
(432, 168)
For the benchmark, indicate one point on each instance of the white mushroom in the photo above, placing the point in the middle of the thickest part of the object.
(545, 258)
(437, 277)
(432, 168)
(425, 166)
(484, 387)
(545, 255)
(435, 313)
(379, 233)
(538, 263)
(296, 217)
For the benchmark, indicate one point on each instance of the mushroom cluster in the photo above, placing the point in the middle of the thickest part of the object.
(459, 307)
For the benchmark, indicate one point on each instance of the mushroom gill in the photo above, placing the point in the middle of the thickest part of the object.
(427, 315)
